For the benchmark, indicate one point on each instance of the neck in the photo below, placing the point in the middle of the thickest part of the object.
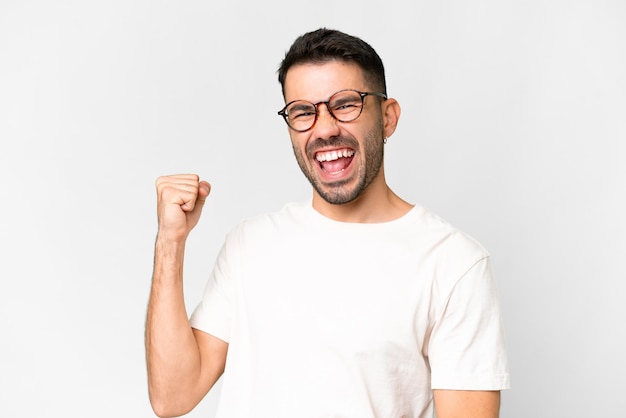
(377, 204)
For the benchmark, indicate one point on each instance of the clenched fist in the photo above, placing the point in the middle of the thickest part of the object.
(180, 199)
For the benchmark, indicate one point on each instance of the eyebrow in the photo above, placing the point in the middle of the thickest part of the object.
(346, 99)
(301, 104)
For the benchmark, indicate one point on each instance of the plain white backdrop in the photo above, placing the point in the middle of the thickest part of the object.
(513, 129)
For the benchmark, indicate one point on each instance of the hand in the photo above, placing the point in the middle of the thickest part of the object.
(180, 199)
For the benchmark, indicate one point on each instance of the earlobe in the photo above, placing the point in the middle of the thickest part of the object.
(391, 114)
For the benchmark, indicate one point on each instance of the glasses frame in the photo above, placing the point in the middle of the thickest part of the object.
(283, 112)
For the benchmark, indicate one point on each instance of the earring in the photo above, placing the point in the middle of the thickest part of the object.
(384, 140)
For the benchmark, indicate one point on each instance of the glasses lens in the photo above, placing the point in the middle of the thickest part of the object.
(301, 115)
(346, 106)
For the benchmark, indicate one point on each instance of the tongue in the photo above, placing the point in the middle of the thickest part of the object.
(336, 165)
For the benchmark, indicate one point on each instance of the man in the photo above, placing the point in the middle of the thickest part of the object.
(355, 304)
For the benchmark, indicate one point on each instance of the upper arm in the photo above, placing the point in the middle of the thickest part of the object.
(212, 360)
(466, 349)
(467, 403)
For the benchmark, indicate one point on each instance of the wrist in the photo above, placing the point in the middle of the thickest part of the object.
(171, 236)
(169, 250)
(169, 245)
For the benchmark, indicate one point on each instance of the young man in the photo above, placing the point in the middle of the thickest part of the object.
(355, 304)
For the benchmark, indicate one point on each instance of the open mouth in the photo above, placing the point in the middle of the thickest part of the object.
(335, 161)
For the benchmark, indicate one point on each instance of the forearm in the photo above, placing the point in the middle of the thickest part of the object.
(172, 354)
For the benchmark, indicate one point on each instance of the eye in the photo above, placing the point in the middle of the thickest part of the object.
(346, 105)
(301, 110)
(301, 114)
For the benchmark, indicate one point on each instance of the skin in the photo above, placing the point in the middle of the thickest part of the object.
(359, 193)
(467, 403)
(184, 363)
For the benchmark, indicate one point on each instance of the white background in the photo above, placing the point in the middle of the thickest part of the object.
(513, 129)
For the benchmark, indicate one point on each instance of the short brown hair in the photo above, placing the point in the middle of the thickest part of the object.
(324, 45)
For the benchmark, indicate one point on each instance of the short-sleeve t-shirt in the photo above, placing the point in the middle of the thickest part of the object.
(334, 319)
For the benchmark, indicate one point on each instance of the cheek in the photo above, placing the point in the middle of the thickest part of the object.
(295, 138)
(298, 143)
(368, 137)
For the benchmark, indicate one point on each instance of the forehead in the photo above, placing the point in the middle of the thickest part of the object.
(317, 82)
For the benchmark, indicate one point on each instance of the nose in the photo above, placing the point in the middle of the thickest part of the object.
(326, 125)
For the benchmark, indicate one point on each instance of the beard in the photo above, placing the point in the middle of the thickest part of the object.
(370, 161)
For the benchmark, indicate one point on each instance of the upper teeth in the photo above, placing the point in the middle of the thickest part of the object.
(333, 155)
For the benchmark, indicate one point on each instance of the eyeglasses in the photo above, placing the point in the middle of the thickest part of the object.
(344, 106)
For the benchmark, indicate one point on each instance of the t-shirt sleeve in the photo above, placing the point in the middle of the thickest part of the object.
(467, 347)
(214, 312)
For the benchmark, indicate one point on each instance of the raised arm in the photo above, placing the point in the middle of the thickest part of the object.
(183, 364)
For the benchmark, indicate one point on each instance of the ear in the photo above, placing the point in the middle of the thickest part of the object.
(391, 114)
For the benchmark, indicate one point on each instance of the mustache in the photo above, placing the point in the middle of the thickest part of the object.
(334, 142)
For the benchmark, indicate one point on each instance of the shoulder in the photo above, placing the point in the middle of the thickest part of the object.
(451, 251)
(450, 240)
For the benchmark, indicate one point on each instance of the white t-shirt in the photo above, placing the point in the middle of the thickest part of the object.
(333, 319)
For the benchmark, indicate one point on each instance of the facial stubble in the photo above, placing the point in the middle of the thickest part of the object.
(370, 163)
